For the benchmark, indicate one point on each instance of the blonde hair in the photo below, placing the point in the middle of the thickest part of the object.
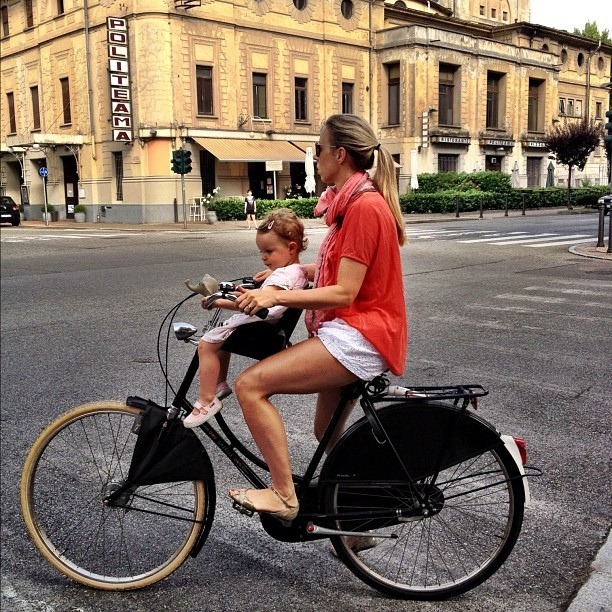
(286, 225)
(357, 138)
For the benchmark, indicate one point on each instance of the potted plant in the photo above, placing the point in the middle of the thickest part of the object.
(53, 214)
(79, 213)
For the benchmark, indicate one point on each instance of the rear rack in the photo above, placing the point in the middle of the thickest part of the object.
(468, 393)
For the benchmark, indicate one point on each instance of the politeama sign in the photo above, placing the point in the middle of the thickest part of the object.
(119, 76)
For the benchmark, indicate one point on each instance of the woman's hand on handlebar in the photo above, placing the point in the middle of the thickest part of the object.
(251, 301)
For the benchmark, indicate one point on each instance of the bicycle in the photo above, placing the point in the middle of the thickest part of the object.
(440, 490)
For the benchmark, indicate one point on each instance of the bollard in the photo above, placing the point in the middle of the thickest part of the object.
(600, 227)
(523, 213)
(506, 209)
(457, 207)
(610, 233)
(481, 205)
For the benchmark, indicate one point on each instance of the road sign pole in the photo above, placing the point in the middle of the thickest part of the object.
(44, 180)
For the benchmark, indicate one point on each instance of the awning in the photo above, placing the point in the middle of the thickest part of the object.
(302, 144)
(246, 150)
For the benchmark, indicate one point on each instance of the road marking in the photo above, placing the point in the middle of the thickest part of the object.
(516, 239)
(566, 240)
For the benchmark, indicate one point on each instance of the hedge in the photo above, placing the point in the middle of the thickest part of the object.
(446, 201)
(442, 201)
(232, 209)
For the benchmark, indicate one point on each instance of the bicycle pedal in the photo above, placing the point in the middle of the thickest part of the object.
(242, 509)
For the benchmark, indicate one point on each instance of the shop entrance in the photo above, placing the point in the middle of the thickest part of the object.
(71, 184)
(261, 182)
(493, 163)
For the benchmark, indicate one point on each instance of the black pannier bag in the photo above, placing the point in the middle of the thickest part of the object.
(165, 450)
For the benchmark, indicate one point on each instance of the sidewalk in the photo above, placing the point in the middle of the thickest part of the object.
(239, 226)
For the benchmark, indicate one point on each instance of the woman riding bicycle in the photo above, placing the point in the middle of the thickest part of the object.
(356, 313)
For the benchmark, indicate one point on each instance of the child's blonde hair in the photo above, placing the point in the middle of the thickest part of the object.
(286, 225)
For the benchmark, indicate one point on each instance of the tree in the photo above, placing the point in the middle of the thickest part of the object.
(572, 143)
(591, 30)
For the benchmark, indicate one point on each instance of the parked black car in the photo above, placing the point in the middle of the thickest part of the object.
(606, 201)
(9, 211)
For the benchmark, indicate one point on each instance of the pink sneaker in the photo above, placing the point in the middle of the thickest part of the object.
(200, 414)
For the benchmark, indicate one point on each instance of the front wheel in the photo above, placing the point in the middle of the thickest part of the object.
(473, 505)
(76, 462)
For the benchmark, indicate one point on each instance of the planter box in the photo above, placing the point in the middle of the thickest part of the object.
(79, 217)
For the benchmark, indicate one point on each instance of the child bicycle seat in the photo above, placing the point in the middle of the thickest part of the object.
(262, 339)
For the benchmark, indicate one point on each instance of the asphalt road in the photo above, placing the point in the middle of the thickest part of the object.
(79, 323)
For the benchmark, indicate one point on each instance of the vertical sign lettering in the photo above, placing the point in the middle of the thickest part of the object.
(119, 76)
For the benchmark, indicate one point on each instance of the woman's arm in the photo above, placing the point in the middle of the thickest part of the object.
(350, 278)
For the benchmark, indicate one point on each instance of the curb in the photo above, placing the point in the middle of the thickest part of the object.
(226, 226)
(591, 251)
(594, 595)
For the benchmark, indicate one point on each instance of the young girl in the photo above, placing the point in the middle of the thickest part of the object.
(280, 240)
(250, 208)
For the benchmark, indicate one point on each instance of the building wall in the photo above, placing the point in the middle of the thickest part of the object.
(237, 38)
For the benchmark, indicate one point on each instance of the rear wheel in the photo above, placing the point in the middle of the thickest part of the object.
(471, 521)
(72, 466)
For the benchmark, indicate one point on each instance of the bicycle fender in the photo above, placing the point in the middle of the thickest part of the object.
(516, 455)
(428, 436)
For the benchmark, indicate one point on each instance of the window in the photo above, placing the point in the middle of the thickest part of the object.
(60, 7)
(580, 59)
(346, 6)
(204, 90)
(448, 163)
(562, 108)
(563, 56)
(5, 21)
(65, 85)
(578, 108)
(118, 164)
(570, 107)
(598, 109)
(260, 103)
(535, 106)
(393, 93)
(493, 13)
(347, 98)
(301, 99)
(494, 94)
(446, 90)
(29, 15)
(300, 5)
(10, 104)
(504, 15)
(482, 9)
(35, 108)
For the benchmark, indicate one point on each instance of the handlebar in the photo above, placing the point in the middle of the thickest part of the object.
(213, 290)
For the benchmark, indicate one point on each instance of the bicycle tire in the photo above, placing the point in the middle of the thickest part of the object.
(479, 502)
(64, 480)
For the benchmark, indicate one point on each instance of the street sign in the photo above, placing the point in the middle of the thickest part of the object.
(43, 171)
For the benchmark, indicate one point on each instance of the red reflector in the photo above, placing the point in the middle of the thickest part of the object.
(520, 443)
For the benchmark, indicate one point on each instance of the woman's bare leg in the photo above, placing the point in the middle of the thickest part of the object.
(327, 402)
(304, 368)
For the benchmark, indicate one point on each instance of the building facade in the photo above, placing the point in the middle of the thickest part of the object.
(101, 92)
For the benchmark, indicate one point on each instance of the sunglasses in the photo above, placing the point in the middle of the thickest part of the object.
(318, 146)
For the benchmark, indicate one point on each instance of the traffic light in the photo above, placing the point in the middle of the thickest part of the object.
(177, 161)
(186, 162)
(608, 136)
